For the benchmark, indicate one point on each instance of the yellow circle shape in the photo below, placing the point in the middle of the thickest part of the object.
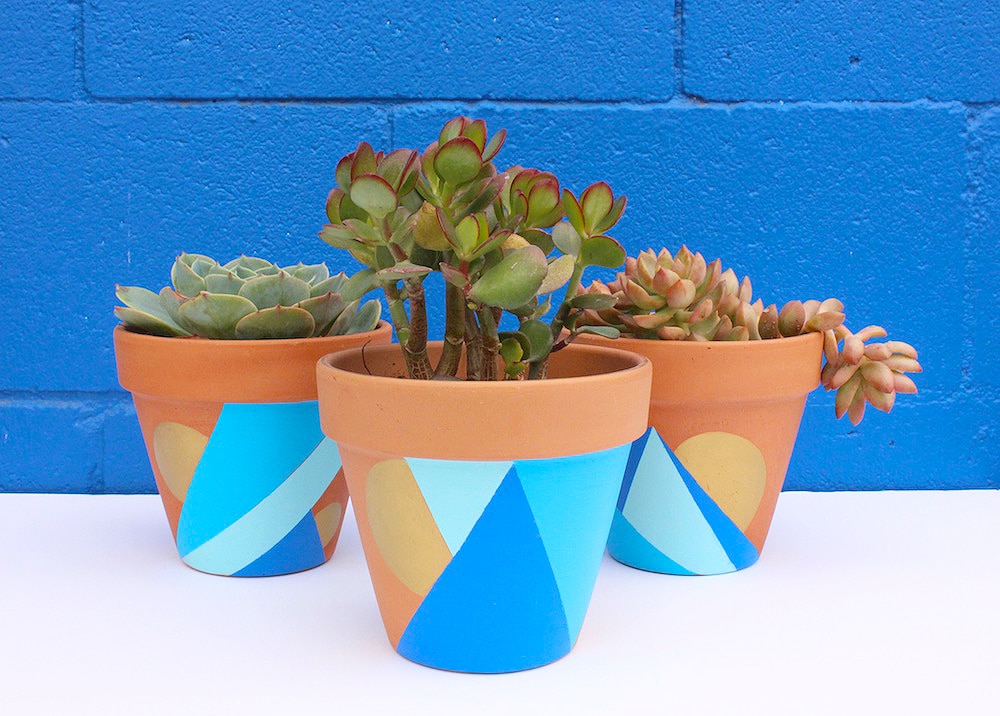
(407, 536)
(730, 469)
(328, 520)
(177, 449)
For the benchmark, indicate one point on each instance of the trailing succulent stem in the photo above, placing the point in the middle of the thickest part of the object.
(248, 298)
(497, 239)
(683, 297)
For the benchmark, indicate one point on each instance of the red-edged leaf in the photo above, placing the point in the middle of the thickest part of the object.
(494, 145)
(333, 200)
(343, 173)
(452, 129)
(476, 131)
(458, 161)
(617, 209)
(596, 201)
(364, 161)
(373, 194)
(574, 214)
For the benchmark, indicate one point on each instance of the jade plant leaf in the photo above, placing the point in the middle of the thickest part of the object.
(281, 289)
(596, 201)
(558, 274)
(214, 316)
(402, 271)
(566, 239)
(458, 160)
(602, 251)
(594, 301)
(276, 322)
(539, 337)
(513, 281)
(606, 331)
(374, 194)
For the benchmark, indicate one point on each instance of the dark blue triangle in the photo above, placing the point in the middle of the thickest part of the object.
(630, 467)
(629, 547)
(298, 550)
(496, 606)
(740, 550)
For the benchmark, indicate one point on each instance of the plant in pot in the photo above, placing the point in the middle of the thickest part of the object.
(221, 367)
(730, 380)
(483, 484)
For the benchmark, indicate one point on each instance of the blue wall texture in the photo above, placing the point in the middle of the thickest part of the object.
(847, 149)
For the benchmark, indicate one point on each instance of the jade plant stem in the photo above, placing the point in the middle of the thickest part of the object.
(454, 332)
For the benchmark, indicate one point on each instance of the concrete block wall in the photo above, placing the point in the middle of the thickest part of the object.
(845, 149)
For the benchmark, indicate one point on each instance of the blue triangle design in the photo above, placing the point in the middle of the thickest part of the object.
(496, 606)
(635, 454)
(300, 549)
(629, 547)
(741, 551)
(573, 500)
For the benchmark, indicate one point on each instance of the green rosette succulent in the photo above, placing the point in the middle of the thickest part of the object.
(248, 298)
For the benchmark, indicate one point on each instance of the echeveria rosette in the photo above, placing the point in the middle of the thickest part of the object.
(248, 298)
(683, 297)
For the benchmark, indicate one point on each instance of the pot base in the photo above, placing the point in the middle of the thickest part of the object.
(666, 522)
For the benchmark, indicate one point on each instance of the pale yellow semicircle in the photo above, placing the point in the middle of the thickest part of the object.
(730, 469)
(328, 520)
(404, 529)
(177, 449)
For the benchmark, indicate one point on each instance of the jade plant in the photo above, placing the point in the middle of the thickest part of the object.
(496, 237)
(683, 297)
(248, 298)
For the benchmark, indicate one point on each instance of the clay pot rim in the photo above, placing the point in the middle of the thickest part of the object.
(631, 362)
(228, 371)
(703, 345)
(229, 344)
(486, 420)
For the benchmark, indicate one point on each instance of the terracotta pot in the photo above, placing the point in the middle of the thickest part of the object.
(702, 483)
(484, 507)
(250, 485)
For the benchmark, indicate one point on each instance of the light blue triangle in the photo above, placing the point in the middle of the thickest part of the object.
(457, 492)
(661, 508)
(573, 500)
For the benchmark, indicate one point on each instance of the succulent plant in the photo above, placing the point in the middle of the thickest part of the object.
(683, 297)
(248, 298)
(496, 237)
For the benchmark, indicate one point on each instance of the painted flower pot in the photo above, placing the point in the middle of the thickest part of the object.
(249, 484)
(702, 483)
(484, 507)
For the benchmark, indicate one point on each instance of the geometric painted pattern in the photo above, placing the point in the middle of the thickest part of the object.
(259, 495)
(666, 520)
(509, 553)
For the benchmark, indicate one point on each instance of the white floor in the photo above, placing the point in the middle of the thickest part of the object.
(863, 603)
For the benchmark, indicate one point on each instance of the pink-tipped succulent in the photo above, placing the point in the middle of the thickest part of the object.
(684, 297)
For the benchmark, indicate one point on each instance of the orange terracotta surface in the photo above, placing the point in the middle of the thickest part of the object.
(187, 381)
(396, 602)
(266, 371)
(588, 403)
(336, 493)
(754, 389)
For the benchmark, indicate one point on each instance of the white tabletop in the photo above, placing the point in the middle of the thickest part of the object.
(862, 603)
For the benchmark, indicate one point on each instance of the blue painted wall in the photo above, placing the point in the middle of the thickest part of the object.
(846, 149)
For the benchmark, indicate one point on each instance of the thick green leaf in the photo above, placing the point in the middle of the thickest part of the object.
(566, 239)
(602, 251)
(374, 194)
(343, 173)
(171, 302)
(395, 167)
(333, 200)
(310, 273)
(493, 146)
(476, 131)
(214, 316)
(606, 331)
(282, 289)
(344, 320)
(596, 202)
(539, 337)
(513, 281)
(594, 301)
(366, 318)
(574, 214)
(189, 259)
(402, 271)
(228, 283)
(470, 233)
(453, 276)
(458, 161)
(363, 162)
(511, 350)
(617, 209)
(203, 267)
(542, 199)
(558, 274)
(186, 282)
(451, 129)
(276, 322)
(330, 285)
(148, 323)
(324, 310)
(358, 285)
